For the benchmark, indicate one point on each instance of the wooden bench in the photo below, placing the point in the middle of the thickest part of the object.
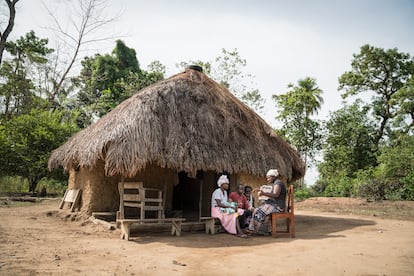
(126, 225)
(289, 215)
(212, 224)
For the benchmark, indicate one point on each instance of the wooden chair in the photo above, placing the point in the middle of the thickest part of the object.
(133, 194)
(289, 215)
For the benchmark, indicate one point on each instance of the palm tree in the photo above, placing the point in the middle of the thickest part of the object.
(296, 106)
(309, 95)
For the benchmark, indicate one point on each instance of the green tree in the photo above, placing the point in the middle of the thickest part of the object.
(156, 67)
(107, 80)
(26, 142)
(17, 75)
(126, 59)
(350, 142)
(295, 108)
(383, 73)
(398, 159)
(396, 169)
(403, 122)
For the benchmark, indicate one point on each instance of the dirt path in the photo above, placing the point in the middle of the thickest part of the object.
(34, 242)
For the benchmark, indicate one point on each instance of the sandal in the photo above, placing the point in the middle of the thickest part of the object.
(249, 231)
(244, 236)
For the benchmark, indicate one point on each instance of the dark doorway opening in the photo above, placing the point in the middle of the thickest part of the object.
(186, 196)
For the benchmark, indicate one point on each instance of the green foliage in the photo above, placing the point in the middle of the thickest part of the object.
(386, 74)
(295, 108)
(396, 168)
(26, 142)
(126, 59)
(305, 99)
(373, 189)
(350, 144)
(303, 193)
(397, 160)
(393, 178)
(253, 99)
(378, 188)
(17, 88)
(13, 184)
(408, 186)
(107, 80)
(372, 144)
(340, 185)
(228, 70)
(53, 186)
(17, 184)
(29, 49)
(368, 184)
(156, 67)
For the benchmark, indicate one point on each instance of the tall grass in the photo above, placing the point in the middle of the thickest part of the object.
(16, 184)
(13, 184)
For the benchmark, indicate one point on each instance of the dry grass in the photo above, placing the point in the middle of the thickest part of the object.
(403, 210)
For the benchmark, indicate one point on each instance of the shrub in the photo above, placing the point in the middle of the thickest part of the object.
(52, 186)
(408, 189)
(303, 193)
(373, 189)
(13, 184)
(341, 186)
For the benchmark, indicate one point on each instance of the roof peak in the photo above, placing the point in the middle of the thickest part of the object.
(195, 67)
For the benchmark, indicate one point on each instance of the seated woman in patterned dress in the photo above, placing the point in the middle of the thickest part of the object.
(219, 200)
(275, 201)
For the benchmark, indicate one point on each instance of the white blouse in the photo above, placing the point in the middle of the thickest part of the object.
(218, 194)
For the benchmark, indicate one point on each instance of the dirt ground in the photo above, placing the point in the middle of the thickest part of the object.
(330, 240)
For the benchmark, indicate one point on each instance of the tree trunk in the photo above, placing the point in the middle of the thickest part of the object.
(9, 28)
(32, 185)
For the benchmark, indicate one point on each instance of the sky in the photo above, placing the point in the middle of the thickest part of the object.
(282, 41)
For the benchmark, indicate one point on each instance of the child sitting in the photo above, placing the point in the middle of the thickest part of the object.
(230, 208)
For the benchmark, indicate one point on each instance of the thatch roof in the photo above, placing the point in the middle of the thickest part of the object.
(187, 122)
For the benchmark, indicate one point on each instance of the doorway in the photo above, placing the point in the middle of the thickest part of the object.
(186, 196)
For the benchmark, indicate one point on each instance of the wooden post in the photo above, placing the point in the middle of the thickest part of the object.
(200, 176)
(121, 198)
(200, 204)
(164, 195)
(142, 209)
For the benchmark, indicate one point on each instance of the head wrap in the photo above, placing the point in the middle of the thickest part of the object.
(272, 172)
(222, 179)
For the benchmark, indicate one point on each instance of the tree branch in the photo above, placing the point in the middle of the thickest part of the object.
(3, 36)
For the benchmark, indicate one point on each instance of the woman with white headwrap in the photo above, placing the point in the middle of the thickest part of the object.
(219, 201)
(275, 201)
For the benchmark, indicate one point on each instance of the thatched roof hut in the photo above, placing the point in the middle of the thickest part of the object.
(186, 123)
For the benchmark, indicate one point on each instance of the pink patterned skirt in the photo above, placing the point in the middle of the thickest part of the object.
(227, 220)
